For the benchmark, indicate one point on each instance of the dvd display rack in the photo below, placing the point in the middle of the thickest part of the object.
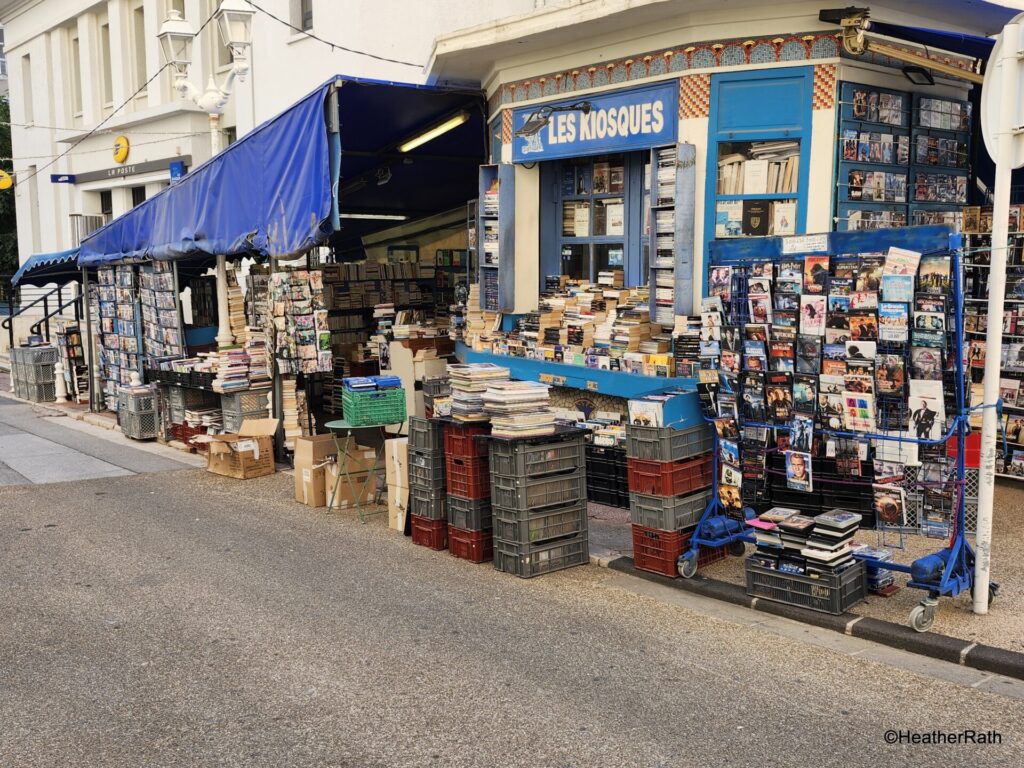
(119, 329)
(940, 160)
(874, 151)
(664, 196)
(495, 233)
(977, 225)
(163, 334)
(846, 368)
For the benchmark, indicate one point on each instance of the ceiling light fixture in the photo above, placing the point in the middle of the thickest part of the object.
(433, 132)
(918, 75)
(376, 216)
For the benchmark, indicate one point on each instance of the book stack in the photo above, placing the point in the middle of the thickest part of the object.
(828, 546)
(469, 381)
(212, 419)
(612, 278)
(794, 530)
(518, 409)
(232, 371)
(631, 327)
(291, 411)
(236, 309)
(259, 358)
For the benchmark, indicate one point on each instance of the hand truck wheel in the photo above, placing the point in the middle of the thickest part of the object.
(923, 616)
(737, 548)
(687, 565)
(993, 590)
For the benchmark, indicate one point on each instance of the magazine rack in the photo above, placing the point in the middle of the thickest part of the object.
(947, 572)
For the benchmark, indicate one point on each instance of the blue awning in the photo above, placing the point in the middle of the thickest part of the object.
(955, 42)
(271, 193)
(268, 193)
(46, 268)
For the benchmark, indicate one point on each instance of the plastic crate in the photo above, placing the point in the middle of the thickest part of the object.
(468, 477)
(526, 561)
(425, 434)
(429, 533)
(605, 460)
(460, 440)
(475, 546)
(428, 503)
(379, 406)
(523, 460)
(667, 513)
(666, 443)
(34, 355)
(470, 514)
(669, 478)
(137, 402)
(37, 393)
(138, 426)
(530, 528)
(436, 386)
(536, 493)
(426, 469)
(608, 497)
(239, 406)
(657, 551)
(42, 373)
(833, 593)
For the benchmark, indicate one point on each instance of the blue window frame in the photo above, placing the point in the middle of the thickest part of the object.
(591, 216)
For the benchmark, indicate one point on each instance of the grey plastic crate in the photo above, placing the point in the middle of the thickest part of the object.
(138, 426)
(437, 386)
(523, 460)
(428, 503)
(426, 471)
(828, 594)
(667, 444)
(667, 513)
(43, 373)
(137, 402)
(249, 404)
(535, 493)
(533, 528)
(425, 434)
(187, 397)
(38, 393)
(526, 561)
(34, 355)
(470, 514)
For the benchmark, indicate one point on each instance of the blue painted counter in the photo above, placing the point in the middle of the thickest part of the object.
(612, 383)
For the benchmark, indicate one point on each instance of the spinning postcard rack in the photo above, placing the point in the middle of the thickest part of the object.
(947, 572)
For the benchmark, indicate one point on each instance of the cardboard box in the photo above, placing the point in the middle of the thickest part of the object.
(398, 505)
(396, 460)
(312, 455)
(250, 453)
(347, 497)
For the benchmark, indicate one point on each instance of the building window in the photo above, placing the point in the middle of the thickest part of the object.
(138, 195)
(107, 79)
(230, 136)
(26, 82)
(75, 65)
(302, 14)
(139, 46)
(106, 203)
(176, 5)
(592, 207)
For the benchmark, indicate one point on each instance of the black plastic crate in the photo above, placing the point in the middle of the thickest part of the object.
(834, 594)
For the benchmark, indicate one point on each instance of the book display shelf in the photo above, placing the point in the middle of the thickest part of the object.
(76, 371)
(874, 150)
(940, 160)
(495, 231)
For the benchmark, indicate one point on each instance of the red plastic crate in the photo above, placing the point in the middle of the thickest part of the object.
(468, 478)
(185, 433)
(429, 533)
(972, 450)
(475, 546)
(657, 551)
(461, 440)
(669, 478)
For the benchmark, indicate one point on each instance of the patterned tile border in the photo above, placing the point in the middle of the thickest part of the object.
(824, 96)
(694, 96)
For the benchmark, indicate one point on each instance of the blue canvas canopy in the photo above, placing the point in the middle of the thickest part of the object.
(277, 190)
(46, 268)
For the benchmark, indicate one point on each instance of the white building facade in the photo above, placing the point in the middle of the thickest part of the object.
(74, 63)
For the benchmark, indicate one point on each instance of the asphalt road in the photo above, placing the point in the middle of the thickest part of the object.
(180, 619)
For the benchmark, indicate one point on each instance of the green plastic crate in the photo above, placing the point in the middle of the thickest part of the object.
(379, 406)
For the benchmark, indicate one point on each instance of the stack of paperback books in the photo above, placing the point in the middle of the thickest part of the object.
(259, 360)
(518, 409)
(469, 381)
(232, 371)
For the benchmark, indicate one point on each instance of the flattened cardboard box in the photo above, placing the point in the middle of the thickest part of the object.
(248, 454)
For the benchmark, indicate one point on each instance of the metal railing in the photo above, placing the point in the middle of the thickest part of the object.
(44, 322)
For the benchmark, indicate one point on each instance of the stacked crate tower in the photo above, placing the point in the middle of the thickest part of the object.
(607, 475)
(539, 503)
(469, 492)
(427, 507)
(669, 488)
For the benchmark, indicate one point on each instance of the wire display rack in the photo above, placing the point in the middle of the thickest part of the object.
(937, 501)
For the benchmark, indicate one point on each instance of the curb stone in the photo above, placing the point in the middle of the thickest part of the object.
(943, 647)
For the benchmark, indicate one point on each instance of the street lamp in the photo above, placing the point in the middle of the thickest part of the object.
(234, 20)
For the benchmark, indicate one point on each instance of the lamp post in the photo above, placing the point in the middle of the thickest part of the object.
(234, 20)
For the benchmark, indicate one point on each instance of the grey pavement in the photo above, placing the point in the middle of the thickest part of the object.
(184, 619)
(41, 445)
